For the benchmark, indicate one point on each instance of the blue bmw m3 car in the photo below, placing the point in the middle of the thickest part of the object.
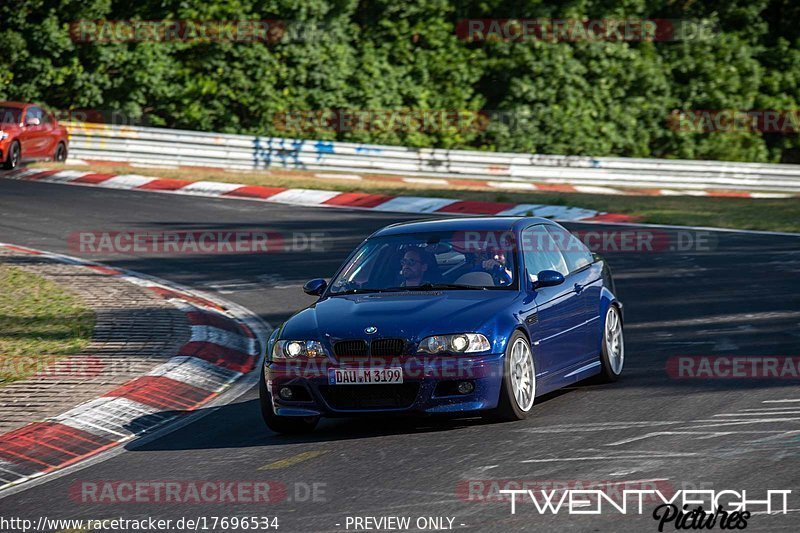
(448, 316)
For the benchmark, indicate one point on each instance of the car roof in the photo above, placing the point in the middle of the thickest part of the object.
(20, 105)
(458, 224)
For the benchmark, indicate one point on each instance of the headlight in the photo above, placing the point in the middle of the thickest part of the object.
(292, 349)
(458, 343)
(3, 135)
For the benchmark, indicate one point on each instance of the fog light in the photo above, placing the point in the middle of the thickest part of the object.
(465, 387)
(286, 393)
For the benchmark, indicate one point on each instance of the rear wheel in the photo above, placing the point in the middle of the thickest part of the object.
(61, 153)
(612, 352)
(282, 424)
(13, 159)
(518, 389)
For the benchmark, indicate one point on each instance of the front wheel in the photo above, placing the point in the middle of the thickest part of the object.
(612, 351)
(518, 389)
(289, 425)
(14, 156)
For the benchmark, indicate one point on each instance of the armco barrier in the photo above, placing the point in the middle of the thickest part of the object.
(158, 146)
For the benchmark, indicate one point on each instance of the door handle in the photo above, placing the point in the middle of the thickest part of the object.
(578, 288)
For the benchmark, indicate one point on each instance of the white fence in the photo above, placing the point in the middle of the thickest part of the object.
(166, 147)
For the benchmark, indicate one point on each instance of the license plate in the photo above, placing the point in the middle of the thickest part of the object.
(365, 376)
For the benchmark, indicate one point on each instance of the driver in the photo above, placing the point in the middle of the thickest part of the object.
(413, 267)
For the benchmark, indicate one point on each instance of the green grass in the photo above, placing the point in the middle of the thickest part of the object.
(778, 214)
(40, 322)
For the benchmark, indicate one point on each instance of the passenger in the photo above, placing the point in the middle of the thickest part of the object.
(493, 263)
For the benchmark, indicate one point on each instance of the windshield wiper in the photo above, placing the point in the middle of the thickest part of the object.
(435, 286)
(369, 291)
(427, 286)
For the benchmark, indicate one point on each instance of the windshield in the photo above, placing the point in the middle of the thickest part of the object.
(10, 115)
(442, 261)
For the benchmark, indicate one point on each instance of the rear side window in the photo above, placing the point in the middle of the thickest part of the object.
(575, 253)
(541, 252)
(33, 112)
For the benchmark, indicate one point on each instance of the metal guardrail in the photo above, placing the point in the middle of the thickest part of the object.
(158, 146)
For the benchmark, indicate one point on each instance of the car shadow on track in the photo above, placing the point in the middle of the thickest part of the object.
(239, 425)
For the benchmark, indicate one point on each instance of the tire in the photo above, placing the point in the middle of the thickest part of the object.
(514, 403)
(287, 425)
(612, 346)
(61, 153)
(14, 157)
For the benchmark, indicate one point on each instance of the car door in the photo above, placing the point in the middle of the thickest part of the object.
(48, 137)
(555, 314)
(32, 136)
(585, 276)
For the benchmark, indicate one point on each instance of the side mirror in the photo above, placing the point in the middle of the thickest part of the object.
(32, 121)
(548, 278)
(316, 286)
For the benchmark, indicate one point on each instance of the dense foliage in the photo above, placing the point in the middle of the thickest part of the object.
(598, 98)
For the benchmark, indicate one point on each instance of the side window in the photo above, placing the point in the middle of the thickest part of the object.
(541, 252)
(33, 112)
(46, 118)
(576, 254)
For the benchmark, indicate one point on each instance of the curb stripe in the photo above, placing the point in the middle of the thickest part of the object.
(108, 271)
(38, 448)
(169, 293)
(162, 184)
(222, 337)
(162, 393)
(476, 207)
(414, 204)
(197, 372)
(200, 318)
(358, 199)
(255, 191)
(127, 181)
(40, 175)
(64, 176)
(22, 250)
(219, 355)
(212, 188)
(94, 178)
(303, 196)
(113, 417)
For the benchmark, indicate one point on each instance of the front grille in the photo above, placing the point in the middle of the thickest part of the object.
(377, 348)
(389, 396)
(387, 347)
(354, 348)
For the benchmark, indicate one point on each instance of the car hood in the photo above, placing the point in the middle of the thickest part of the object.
(407, 315)
(10, 128)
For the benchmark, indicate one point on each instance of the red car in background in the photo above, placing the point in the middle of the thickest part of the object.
(29, 132)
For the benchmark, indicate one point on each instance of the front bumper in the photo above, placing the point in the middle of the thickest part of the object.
(429, 386)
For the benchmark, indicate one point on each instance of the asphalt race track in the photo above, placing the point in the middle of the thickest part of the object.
(740, 296)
